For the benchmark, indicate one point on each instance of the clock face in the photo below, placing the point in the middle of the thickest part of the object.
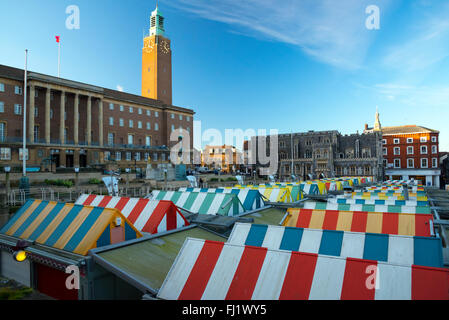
(148, 45)
(165, 46)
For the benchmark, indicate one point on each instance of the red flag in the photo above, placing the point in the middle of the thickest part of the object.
(57, 39)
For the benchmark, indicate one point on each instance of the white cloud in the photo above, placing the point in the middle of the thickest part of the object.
(330, 31)
(421, 96)
(119, 88)
(426, 42)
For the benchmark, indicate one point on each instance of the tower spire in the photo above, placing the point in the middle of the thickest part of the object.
(377, 125)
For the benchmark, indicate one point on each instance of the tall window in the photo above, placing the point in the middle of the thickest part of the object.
(111, 138)
(156, 127)
(21, 154)
(155, 156)
(410, 163)
(130, 139)
(397, 163)
(121, 122)
(36, 133)
(118, 156)
(2, 106)
(180, 117)
(434, 139)
(410, 150)
(111, 121)
(423, 149)
(139, 110)
(156, 114)
(18, 90)
(2, 87)
(128, 156)
(107, 155)
(172, 115)
(172, 127)
(383, 149)
(131, 123)
(434, 149)
(424, 163)
(122, 108)
(18, 109)
(434, 162)
(131, 110)
(137, 156)
(148, 126)
(397, 150)
(139, 124)
(111, 106)
(148, 113)
(148, 141)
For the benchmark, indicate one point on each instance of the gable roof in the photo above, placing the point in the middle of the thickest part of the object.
(408, 129)
(66, 226)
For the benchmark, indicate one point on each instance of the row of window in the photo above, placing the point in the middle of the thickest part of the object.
(411, 163)
(131, 110)
(131, 124)
(410, 150)
(5, 154)
(172, 115)
(17, 89)
(410, 140)
(17, 108)
(111, 139)
(117, 156)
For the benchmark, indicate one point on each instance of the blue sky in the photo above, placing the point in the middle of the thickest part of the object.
(256, 64)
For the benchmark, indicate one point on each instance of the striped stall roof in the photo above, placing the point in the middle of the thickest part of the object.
(366, 207)
(358, 221)
(209, 270)
(275, 193)
(395, 249)
(67, 226)
(313, 187)
(225, 204)
(250, 199)
(389, 202)
(151, 216)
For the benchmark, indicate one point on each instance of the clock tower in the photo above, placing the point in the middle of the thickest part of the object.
(156, 61)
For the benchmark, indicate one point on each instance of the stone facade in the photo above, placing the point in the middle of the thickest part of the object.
(325, 154)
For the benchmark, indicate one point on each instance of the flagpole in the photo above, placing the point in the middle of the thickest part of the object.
(24, 116)
(59, 58)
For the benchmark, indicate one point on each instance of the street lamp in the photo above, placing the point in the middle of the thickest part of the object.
(77, 170)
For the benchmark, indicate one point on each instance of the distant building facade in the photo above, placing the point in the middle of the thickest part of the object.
(412, 152)
(325, 154)
(409, 152)
(224, 157)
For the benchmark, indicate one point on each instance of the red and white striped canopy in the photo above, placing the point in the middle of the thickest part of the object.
(152, 216)
(210, 270)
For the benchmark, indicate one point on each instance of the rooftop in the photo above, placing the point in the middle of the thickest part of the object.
(407, 129)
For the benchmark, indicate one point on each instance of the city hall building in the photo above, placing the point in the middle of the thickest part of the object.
(71, 124)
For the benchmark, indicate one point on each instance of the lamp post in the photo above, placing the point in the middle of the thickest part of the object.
(8, 183)
(77, 170)
(127, 170)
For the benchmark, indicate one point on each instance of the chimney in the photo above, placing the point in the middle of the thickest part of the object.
(366, 126)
